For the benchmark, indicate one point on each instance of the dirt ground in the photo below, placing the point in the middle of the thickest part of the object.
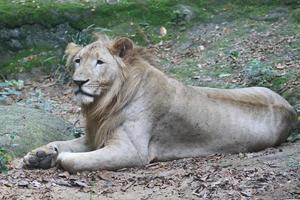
(270, 174)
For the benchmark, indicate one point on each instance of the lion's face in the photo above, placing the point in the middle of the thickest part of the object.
(96, 68)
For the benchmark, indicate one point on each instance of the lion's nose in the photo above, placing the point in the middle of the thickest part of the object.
(80, 82)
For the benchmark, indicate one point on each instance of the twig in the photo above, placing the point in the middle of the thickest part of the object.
(127, 186)
(196, 193)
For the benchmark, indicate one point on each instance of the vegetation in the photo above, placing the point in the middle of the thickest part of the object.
(136, 19)
(5, 157)
(27, 59)
(296, 15)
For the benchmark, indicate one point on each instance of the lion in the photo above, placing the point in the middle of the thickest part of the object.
(135, 114)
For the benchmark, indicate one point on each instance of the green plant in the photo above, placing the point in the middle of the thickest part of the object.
(293, 136)
(258, 73)
(27, 59)
(293, 162)
(11, 87)
(5, 157)
(84, 37)
(296, 15)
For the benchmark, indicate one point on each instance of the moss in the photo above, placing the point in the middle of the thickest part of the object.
(40, 12)
(79, 15)
(139, 20)
(28, 59)
(296, 15)
(219, 71)
(185, 72)
(278, 83)
(5, 158)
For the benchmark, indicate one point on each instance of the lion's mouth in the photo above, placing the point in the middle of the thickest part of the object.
(80, 91)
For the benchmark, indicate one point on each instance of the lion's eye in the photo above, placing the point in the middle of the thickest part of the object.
(99, 62)
(77, 60)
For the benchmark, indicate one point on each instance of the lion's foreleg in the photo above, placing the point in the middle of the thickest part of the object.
(75, 145)
(119, 153)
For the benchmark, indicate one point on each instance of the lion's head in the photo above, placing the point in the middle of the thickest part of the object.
(97, 66)
(107, 74)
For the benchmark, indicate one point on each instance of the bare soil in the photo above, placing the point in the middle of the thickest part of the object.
(269, 174)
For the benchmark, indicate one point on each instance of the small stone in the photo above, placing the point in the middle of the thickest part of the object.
(279, 66)
(80, 183)
(23, 183)
(15, 44)
(162, 31)
(34, 184)
(65, 174)
(112, 1)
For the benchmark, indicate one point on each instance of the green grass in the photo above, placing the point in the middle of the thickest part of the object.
(278, 83)
(185, 72)
(27, 59)
(296, 15)
(139, 20)
(41, 12)
(5, 158)
(152, 12)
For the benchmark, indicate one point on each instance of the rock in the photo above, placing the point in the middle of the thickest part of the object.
(185, 11)
(35, 35)
(23, 129)
(273, 15)
(15, 44)
(112, 1)
(9, 33)
(23, 183)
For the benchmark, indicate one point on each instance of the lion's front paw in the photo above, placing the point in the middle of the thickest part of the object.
(43, 157)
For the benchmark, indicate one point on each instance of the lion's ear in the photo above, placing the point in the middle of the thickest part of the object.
(122, 47)
(71, 50)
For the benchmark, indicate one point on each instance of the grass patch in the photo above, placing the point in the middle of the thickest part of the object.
(296, 15)
(151, 12)
(139, 20)
(185, 72)
(259, 73)
(279, 82)
(46, 13)
(219, 71)
(5, 158)
(26, 60)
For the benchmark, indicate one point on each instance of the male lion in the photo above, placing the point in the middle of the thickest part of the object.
(135, 114)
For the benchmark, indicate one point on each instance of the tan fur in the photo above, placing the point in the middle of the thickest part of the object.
(102, 116)
(135, 114)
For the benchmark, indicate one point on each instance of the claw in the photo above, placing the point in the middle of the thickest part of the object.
(41, 154)
(46, 163)
(33, 161)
